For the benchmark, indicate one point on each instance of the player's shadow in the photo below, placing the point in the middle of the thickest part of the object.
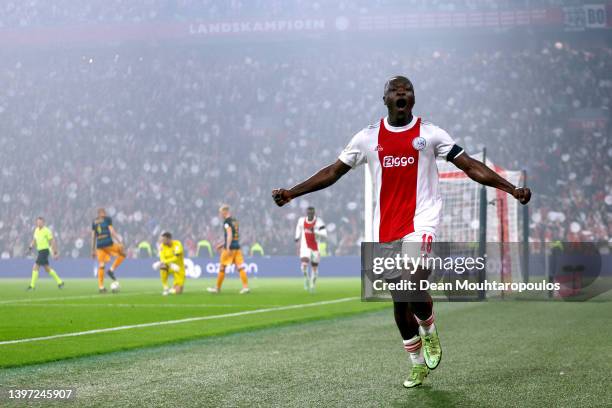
(428, 396)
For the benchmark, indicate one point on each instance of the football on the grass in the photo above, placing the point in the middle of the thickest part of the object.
(115, 287)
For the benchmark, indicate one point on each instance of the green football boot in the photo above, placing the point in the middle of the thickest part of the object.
(432, 351)
(417, 375)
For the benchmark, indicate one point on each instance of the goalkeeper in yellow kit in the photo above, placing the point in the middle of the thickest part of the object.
(171, 261)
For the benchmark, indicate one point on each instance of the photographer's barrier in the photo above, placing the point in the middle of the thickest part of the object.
(277, 266)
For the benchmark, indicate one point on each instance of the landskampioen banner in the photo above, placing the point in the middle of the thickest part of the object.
(576, 18)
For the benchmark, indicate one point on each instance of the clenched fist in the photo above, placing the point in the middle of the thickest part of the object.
(281, 196)
(522, 194)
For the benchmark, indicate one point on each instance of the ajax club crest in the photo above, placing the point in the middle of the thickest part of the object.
(419, 143)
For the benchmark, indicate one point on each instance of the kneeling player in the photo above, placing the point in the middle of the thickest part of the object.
(171, 261)
(307, 231)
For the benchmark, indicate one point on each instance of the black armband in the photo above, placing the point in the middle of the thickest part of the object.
(455, 151)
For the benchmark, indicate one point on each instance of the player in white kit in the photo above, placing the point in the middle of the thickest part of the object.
(401, 150)
(308, 231)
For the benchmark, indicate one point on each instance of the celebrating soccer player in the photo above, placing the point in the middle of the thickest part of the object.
(171, 261)
(43, 239)
(401, 151)
(105, 244)
(230, 251)
(307, 231)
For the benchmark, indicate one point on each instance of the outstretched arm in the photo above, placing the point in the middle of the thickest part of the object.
(479, 172)
(320, 180)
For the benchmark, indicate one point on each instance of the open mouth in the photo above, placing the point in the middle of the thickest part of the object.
(401, 103)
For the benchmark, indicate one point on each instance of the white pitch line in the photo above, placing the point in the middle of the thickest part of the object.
(136, 305)
(169, 322)
(5, 302)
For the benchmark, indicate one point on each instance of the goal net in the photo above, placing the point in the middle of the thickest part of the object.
(477, 221)
(461, 206)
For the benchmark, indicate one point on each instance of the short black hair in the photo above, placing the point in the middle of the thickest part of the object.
(166, 234)
(393, 78)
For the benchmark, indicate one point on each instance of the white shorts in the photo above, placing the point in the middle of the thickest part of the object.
(311, 255)
(422, 236)
(418, 243)
(415, 245)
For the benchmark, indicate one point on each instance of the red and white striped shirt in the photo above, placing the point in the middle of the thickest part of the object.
(308, 231)
(402, 162)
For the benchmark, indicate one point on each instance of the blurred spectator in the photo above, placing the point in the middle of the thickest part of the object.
(162, 135)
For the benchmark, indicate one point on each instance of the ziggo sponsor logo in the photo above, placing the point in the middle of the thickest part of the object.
(392, 161)
(212, 268)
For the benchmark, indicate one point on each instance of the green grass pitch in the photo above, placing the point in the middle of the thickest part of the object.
(281, 346)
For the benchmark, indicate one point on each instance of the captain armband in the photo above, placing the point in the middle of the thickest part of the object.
(455, 151)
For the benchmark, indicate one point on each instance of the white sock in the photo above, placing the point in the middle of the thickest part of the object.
(414, 349)
(304, 268)
(315, 274)
(427, 330)
(427, 326)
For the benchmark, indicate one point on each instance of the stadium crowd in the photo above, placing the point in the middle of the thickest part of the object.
(162, 135)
